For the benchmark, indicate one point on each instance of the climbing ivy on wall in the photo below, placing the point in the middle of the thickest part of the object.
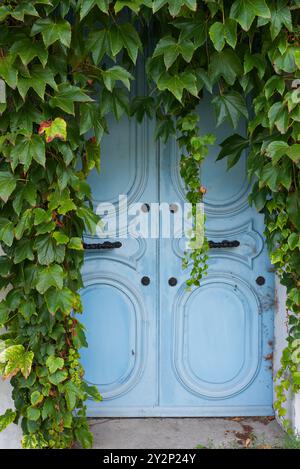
(64, 66)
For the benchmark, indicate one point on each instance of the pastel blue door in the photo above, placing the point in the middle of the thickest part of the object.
(156, 349)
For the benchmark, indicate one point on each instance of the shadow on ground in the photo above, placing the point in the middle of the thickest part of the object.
(187, 433)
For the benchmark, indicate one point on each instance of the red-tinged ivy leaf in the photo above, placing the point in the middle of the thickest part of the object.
(16, 359)
(54, 129)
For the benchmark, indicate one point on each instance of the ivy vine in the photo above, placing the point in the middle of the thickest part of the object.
(64, 66)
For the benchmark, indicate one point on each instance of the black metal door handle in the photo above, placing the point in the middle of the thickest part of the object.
(224, 244)
(105, 245)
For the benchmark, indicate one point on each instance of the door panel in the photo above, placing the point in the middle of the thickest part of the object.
(159, 350)
(214, 338)
(120, 314)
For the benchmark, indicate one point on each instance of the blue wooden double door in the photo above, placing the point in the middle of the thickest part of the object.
(156, 349)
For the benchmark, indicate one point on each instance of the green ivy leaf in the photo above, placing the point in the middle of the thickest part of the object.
(5, 266)
(225, 64)
(293, 208)
(93, 392)
(114, 74)
(28, 309)
(28, 50)
(75, 243)
(87, 5)
(59, 300)
(36, 398)
(269, 176)
(53, 31)
(65, 97)
(7, 418)
(174, 5)
(191, 28)
(25, 224)
(8, 72)
(90, 118)
(116, 102)
(176, 84)
(244, 11)
(297, 58)
(84, 436)
(23, 251)
(24, 8)
(294, 153)
(5, 11)
(170, 49)
(278, 116)
(41, 216)
(274, 84)
(232, 148)
(38, 79)
(48, 409)
(4, 313)
(276, 150)
(252, 61)
(294, 241)
(51, 276)
(33, 414)
(58, 377)
(54, 363)
(45, 248)
(27, 149)
(70, 397)
(230, 106)
(6, 231)
(89, 218)
(60, 237)
(217, 35)
(130, 40)
(280, 16)
(7, 185)
(98, 44)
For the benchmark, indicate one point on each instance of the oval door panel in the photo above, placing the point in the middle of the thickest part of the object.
(114, 330)
(217, 336)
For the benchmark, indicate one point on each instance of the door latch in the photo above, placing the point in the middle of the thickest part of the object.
(224, 244)
(105, 245)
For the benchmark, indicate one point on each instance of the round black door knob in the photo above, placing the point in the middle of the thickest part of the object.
(172, 281)
(145, 208)
(145, 281)
(260, 281)
(173, 208)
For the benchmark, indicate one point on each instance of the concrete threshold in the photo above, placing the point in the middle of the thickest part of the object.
(186, 433)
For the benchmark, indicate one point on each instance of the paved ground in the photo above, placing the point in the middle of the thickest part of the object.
(176, 433)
